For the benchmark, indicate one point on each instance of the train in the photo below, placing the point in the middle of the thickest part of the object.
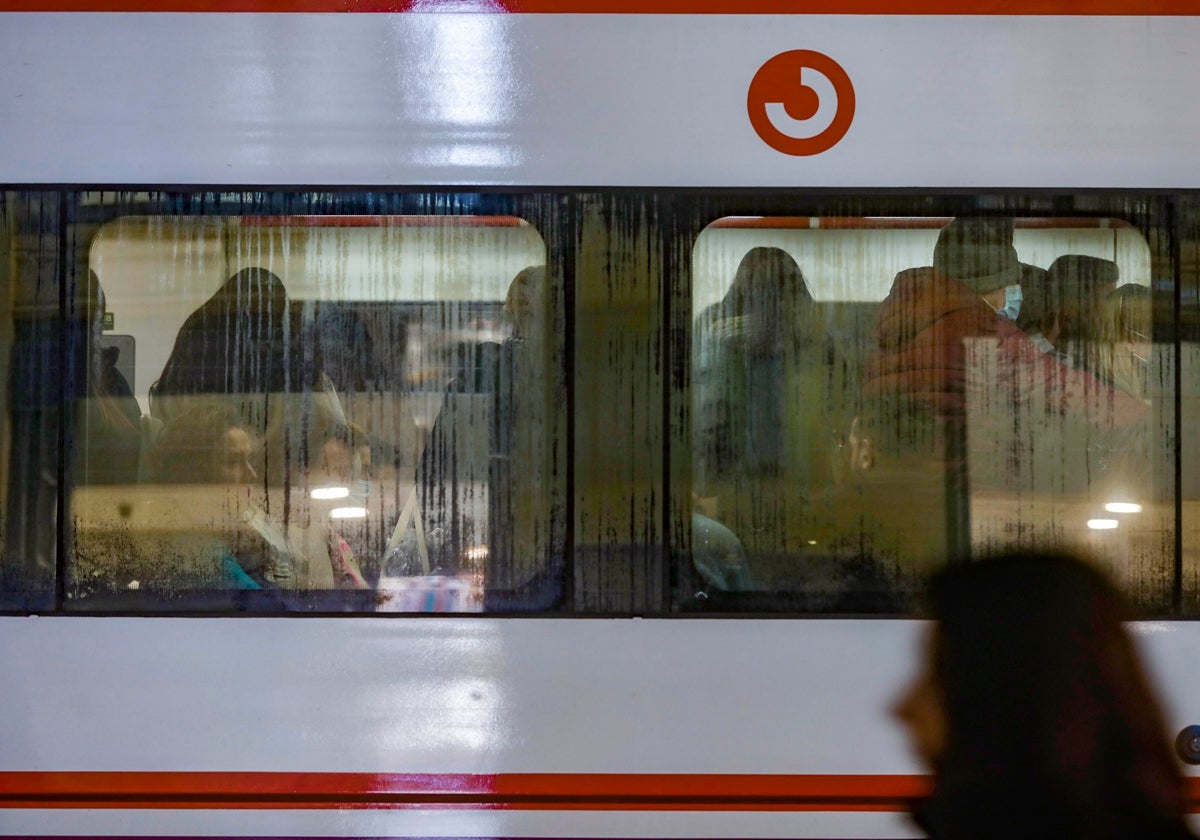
(478, 418)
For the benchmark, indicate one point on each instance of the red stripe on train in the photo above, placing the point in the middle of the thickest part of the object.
(504, 791)
(507, 791)
(789, 7)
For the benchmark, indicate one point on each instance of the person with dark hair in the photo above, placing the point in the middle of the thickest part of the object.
(483, 479)
(1032, 711)
(768, 386)
(1122, 351)
(246, 338)
(110, 417)
(1062, 307)
(745, 342)
(972, 292)
(247, 371)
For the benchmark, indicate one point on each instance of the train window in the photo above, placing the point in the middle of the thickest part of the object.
(593, 403)
(869, 396)
(314, 412)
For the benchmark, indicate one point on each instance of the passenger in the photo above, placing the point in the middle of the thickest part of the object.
(484, 478)
(248, 353)
(339, 464)
(205, 449)
(767, 387)
(110, 429)
(949, 350)
(245, 342)
(213, 449)
(745, 342)
(1032, 712)
(1122, 349)
(1061, 310)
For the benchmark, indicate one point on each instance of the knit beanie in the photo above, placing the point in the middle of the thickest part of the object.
(978, 253)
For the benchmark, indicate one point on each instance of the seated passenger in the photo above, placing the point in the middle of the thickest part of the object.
(1060, 310)
(1121, 352)
(339, 464)
(249, 354)
(245, 342)
(212, 449)
(922, 328)
(110, 423)
(948, 351)
(767, 384)
(204, 449)
(484, 480)
(742, 344)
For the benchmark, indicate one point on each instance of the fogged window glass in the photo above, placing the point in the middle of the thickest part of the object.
(315, 412)
(872, 396)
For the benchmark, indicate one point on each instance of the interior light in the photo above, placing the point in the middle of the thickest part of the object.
(1123, 507)
(330, 492)
(1103, 524)
(348, 513)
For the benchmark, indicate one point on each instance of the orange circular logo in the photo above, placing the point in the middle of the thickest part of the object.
(801, 102)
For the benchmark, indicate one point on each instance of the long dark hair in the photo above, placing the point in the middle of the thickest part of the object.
(1052, 728)
(768, 301)
(247, 338)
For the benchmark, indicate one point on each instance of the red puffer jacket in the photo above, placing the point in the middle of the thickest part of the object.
(936, 339)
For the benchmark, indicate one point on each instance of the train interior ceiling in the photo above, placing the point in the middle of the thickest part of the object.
(602, 404)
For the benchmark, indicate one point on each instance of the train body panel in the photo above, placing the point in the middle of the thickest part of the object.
(249, 727)
(593, 100)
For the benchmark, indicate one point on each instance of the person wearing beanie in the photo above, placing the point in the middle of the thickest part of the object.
(948, 345)
(923, 325)
(979, 254)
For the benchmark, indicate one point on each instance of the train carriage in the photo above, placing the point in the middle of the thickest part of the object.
(470, 419)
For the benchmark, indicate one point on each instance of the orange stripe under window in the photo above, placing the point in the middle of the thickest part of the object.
(503, 791)
(506, 791)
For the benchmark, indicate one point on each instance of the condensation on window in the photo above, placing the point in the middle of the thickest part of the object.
(32, 374)
(314, 412)
(872, 396)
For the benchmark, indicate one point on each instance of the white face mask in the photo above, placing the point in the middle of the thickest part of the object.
(1012, 303)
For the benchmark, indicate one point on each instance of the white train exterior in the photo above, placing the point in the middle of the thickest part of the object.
(532, 726)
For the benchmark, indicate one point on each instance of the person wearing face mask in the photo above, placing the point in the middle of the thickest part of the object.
(1030, 709)
(957, 397)
(1062, 308)
(932, 317)
(978, 252)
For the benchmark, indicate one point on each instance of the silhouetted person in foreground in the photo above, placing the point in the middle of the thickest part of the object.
(1032, 710)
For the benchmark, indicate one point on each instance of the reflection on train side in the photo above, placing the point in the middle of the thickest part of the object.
(318, 412)
(871, 396)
